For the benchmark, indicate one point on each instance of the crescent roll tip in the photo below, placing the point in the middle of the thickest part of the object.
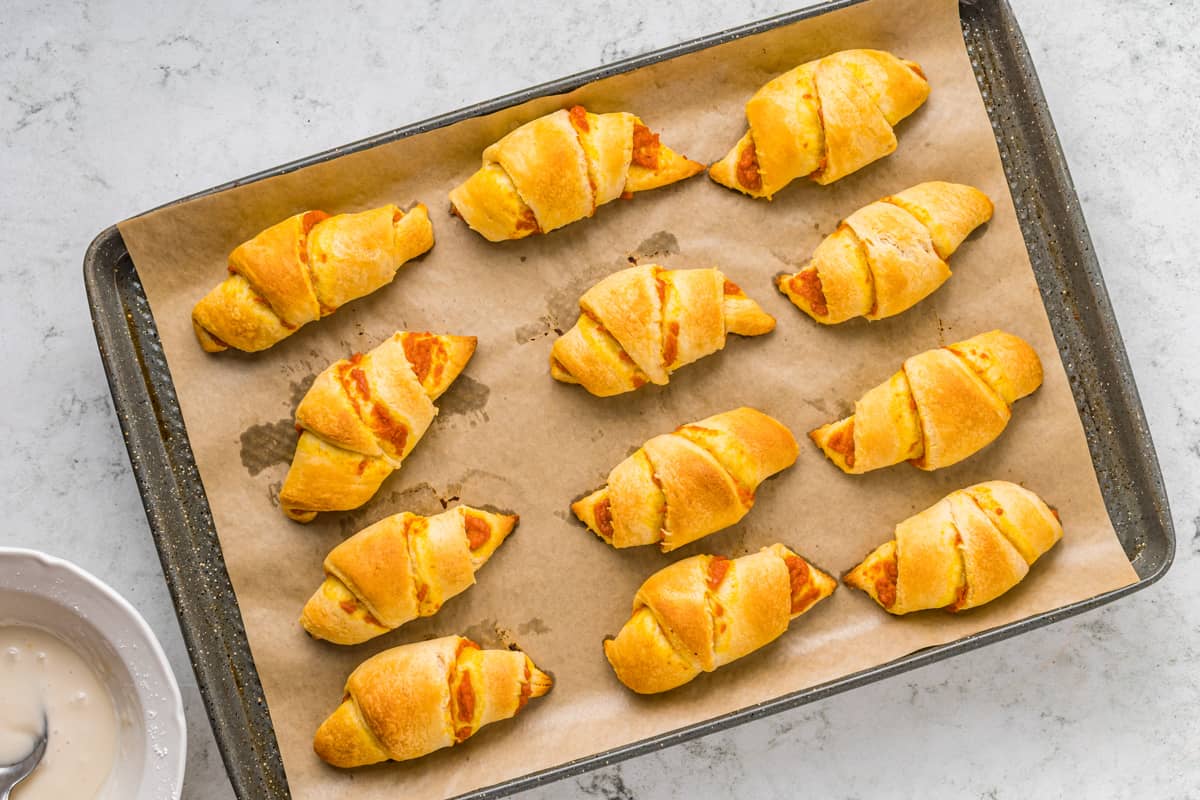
(540, 683)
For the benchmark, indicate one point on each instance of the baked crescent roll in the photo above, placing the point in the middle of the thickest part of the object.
(681, 486)
(363, 415)
(411, 700)
(640, 324)
(705, 611)
(824, 120)
(305, 268)
(558, 168)
(888, 256)
(942, 406)
(967, 549)
(403, 567)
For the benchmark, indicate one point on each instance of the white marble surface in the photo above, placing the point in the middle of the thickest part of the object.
(108, 107)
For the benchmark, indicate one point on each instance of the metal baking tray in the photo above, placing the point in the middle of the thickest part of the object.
(1067, 273)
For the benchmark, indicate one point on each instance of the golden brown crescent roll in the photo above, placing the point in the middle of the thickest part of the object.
(411, 700)
(640, 324)
(942, 406)
(824, 120)
(888, 256)
(363, 415)
(681, 486)
(305, 268)
(403, 567)
(967, 549)
(705, 611)
(558, 168)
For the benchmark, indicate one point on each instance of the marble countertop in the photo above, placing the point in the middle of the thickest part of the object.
(109, 107)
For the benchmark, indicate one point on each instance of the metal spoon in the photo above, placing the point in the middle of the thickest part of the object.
(12, 774)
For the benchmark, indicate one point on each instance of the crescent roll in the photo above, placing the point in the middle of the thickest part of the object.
(942, 406)
(888, 256)
(703, 612)
(305, 268)
(363, 415)
(557, 169)
(967, 549)
(681, 486)
(417, 698)
(823, 120)
(640, 324)
(403, 567)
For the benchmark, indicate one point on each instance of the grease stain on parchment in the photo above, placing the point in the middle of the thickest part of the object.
(562, 303)
(421, 499)
(266, 444)
(489, 635)
(735, 542)
(298, 388)
(535, 625)
(822, 405)
(485, 490)
(466, 396)
(532, 331)
(662, 243)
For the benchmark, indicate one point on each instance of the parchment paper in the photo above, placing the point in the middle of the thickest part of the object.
(510, 436)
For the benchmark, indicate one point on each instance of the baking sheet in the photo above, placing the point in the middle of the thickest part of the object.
(511, 437)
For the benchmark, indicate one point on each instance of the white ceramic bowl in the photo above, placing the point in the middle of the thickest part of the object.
(59, 597)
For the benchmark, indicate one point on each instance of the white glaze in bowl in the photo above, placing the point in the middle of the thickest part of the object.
(48, 593)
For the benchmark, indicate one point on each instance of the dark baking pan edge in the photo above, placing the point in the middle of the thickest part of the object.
(180, 520)
(1072, 289)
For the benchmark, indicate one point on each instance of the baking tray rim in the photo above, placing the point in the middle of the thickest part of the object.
(95, 265)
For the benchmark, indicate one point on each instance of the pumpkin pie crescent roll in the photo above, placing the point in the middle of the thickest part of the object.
(414, 699)
(363, 415)
(559, 168)
(403, 567)
(941, 407)
(703, 612)
(305, 268)
(640, 324)
(965, 550)
(823, 120)
(887, 256)
(684, 485)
